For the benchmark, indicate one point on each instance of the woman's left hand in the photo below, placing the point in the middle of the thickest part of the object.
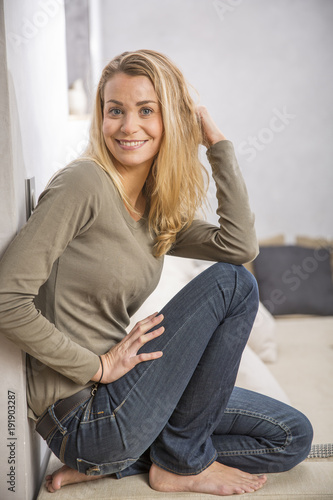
(123, 357)
(210, 132)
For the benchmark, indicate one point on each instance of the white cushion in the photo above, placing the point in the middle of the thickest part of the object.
(254, 375)
(262, 339)
(177, 272)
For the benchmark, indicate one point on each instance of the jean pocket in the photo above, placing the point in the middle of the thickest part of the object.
(92, 469)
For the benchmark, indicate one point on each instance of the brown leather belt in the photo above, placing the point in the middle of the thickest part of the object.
(46, 424)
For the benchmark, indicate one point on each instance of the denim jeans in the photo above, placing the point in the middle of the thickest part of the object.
(181, 411)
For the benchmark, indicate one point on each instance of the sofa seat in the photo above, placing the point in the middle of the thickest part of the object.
(310, 480)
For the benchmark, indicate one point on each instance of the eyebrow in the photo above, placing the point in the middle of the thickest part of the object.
(140, 103)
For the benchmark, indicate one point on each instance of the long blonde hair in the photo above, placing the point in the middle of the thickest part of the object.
(175, 187)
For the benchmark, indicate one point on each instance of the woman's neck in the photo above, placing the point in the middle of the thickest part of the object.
(133, 182)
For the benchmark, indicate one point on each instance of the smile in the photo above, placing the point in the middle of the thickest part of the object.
(130, 144)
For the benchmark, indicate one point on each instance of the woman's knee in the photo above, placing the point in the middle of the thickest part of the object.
(224, 270)
(243, 284)
(299, 444)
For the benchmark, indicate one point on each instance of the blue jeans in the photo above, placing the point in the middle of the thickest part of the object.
(181, 411)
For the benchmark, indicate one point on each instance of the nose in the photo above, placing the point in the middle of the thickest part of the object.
(129, 125)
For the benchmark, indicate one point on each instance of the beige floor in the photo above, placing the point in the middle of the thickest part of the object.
(305, 371)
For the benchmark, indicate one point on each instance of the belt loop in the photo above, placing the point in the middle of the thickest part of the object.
(52, 414)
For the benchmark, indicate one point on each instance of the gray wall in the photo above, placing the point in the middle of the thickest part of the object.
(251, 61)
(34, 112)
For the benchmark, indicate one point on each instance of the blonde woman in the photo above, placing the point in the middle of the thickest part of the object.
(162, 398)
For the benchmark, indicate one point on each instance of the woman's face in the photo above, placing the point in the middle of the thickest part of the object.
(132, 123)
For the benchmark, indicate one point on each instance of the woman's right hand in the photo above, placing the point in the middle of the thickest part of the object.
(211, 134)
(122, 357)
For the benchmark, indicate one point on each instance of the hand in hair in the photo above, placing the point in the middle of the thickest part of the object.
(122, 357)
(210, 132)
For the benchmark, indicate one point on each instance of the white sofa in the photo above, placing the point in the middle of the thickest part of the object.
(290, 358)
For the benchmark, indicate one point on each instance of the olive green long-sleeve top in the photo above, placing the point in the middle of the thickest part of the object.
(81, 266)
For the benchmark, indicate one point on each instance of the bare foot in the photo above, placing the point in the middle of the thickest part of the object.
(217, 479)
(66, 475)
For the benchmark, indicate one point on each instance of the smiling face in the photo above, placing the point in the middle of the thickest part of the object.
(132, 123)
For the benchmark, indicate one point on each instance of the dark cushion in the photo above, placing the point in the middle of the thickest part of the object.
(295, 280)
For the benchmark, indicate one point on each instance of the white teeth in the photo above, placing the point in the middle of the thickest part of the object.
(132, 143)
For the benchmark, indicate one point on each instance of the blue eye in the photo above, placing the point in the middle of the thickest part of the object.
(146, 111)
(115, 111)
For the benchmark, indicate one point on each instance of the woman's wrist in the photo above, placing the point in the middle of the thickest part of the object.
(100, 372)
(102, 366)
(216, 139)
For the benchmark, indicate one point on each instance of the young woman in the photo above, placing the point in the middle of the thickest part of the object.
(162, 398)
